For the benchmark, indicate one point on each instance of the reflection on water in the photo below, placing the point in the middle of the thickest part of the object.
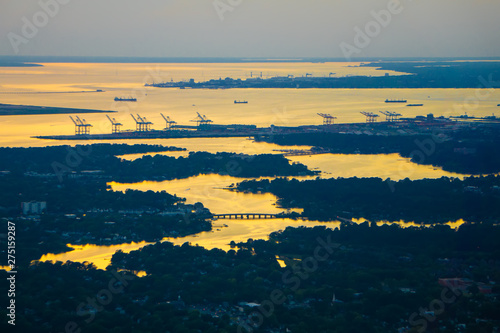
(212, 145)
(99, 255)
(281, 107)
(382, 166)
(224, 231)
(137, 273)
(281, 262)
(211, 191)
(404, 224)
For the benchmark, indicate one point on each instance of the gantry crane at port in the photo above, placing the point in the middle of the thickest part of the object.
(142, 124)
(115, 126)
(370, 116)
(327, 118)
(147, 124)
(391, 116)
(86, 126)
(81, 126)
(170, 122)
(138, 124)
(201, 121)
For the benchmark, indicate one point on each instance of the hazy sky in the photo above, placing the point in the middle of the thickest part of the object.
(249, 28)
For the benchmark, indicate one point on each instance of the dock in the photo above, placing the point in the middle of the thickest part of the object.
(393, 125)
(154, 135)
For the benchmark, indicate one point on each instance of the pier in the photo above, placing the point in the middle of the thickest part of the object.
(393, 126)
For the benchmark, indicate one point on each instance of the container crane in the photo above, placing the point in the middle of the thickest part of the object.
(138, 124)
(170, 122)
(142, 124)
(115, 126)
(81, 126)
(146, 123)
(77, 126)
(391, 116)
(201, 121)
(370, 116)
(85, 125)
(327, 118)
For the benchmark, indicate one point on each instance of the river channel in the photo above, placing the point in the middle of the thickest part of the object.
(59, 85)
(211, 190)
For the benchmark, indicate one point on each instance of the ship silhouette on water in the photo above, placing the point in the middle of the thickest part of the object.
(125, 99)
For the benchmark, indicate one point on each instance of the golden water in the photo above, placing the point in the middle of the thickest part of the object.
(281, 107)
(223, 233)
(212, 191)
(385, 166)
(209, 189)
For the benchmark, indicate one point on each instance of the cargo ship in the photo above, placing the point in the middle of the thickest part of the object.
(414, 105)
(395, 100)
(240, 102)
(122, 99)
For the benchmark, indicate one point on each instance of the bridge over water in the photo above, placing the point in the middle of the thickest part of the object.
(249, 216)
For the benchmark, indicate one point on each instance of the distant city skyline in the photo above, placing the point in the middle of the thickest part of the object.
(251, 28)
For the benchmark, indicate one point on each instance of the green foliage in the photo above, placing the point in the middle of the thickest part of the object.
(423, 201)
(468, 151)
(65, 161)
(191, 289)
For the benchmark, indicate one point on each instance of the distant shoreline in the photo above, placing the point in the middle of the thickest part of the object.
(10, 61)
(17, 64)
(414, 75)
(24, 110)
(48, 92)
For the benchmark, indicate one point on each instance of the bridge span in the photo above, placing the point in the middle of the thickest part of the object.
(249, 216)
